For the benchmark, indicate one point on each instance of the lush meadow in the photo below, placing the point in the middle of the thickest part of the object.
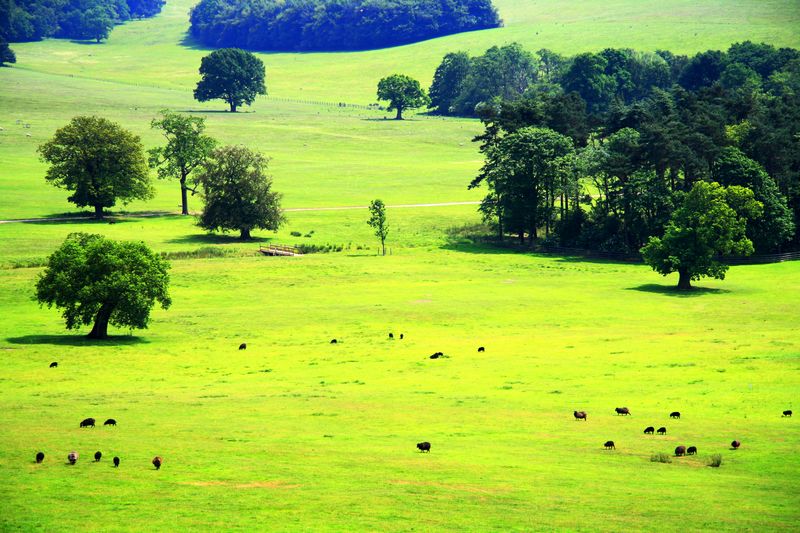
(295, 433)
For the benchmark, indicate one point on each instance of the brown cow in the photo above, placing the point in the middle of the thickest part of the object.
(622, 411)
(72, 457)
(579, 415)
(157, 460)
(735, 444)
(680, 450)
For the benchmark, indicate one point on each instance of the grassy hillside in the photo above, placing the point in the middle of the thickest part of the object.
(296, 434)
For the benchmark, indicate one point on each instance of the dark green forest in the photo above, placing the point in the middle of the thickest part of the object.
(32, 20)
(598, 150)
(333, 25)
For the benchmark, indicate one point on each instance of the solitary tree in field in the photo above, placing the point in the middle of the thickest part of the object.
(402, 92)
(377, 221)
(99, 161)
(98, 281)
(232, 75)
(710, 223)
(238, 192)
(186, 150)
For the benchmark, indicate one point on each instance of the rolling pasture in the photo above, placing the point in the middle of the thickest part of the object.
(297, 434)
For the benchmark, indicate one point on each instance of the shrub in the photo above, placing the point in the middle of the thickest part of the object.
(296, 234)
(715, 460)
(660, 458)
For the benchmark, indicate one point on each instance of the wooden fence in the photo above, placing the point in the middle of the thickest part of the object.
(279, 249)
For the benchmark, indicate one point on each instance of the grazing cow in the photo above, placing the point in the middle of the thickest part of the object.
(72, 457)
(788, 412)
(333, 341)
(391, 335)
(680, 450)
(87, 422)
(157, 460)
(662, 431)
(735, 444)
(691, 450)
(243, 346)
(579, 415)
(97, 456)
(116, 462)
(481, 349)
(424, 446)
(609, 445)
(675, 414)
(622, 411)
(54, 364)
(40, 457)
(437, 355)
(110, 422)
(649, 430)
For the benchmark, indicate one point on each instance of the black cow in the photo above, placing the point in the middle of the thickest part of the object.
(691, 450)
(579, 415)
(87, 422)
(157, 460)
(243, 346)
(40, 457)
(54, 364)
(622, 411)
(110, 422)
(333, 341)
(72, 457)
(735, 444)
(788, 412)
(481, 349)
(401, 336)
(675, 414)
(662, 431)
(437, 355)
(649, 430)
(97, 456)
(116, 462)
(391, 335)
(609, 445)
(424, 446)
(680, 450)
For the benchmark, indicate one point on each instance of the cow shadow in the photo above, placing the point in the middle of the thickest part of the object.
(77, 340)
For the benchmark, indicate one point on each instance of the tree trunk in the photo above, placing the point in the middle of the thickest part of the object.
(685, 280)
(100, 328)
(98, 212)
(184, 199)
(383, 246)
(244, 234)
(399, 114)
(233, 107)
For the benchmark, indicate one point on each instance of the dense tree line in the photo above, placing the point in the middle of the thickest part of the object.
(599, 150)
(291, 25)
(32, 20)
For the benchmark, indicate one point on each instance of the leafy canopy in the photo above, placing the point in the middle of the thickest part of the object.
(377, 221)
(99, 161)
(238, 192)
(232, 75)
(710, 223)
(94, 279)
(402, 92)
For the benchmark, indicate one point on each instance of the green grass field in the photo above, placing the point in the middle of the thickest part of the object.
(296, 434)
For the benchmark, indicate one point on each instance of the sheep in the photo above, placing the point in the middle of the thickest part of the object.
(622, 411)
(28, 135)
(481, 349)
(424, 446)
(735, 444)
(72, 457)
(40, 457)
(691, 450)
(243, 346)
(675, 414)
(53, 364)
(579, 415)
(609, 445)
(110, 422)
(87, 422)
(680, 451)
(97, 456)
(788, 412)
(157, 460)
(649, 430)
(116, 462)
(662, 431)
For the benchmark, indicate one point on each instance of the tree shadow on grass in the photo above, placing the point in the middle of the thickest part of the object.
(672, 290)
(77, 340)
(215, 238)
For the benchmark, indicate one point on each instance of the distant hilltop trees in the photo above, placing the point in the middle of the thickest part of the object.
(329, 25)
(32, 20)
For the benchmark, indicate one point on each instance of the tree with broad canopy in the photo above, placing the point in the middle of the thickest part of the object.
(232, 75)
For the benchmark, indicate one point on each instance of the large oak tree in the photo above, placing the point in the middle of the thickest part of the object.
(232, 75)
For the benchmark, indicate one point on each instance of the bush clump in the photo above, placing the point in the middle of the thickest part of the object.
(660, 458)
(715, 460)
